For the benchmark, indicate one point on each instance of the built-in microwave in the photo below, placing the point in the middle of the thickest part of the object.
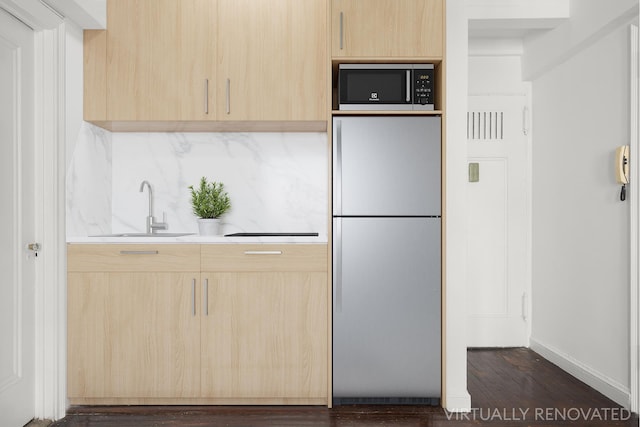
(386, 87)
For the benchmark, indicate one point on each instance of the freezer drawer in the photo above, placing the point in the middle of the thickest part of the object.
(386, 166)
(386, 308)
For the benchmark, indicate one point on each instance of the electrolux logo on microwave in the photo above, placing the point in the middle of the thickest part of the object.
(374, 97)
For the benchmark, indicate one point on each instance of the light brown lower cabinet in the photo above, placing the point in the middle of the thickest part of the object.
(132, 335)
(264, 336)
(251, 331)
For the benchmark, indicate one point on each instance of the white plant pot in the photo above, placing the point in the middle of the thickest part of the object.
(209, 226)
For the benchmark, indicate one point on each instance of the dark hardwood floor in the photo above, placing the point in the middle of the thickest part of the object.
(510, 387)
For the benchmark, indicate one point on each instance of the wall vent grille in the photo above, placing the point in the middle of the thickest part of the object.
(485, 125)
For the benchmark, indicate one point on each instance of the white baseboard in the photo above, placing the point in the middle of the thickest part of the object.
(605, 385)
(460, 402)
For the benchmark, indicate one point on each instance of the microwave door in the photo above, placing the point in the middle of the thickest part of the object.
(375, 89)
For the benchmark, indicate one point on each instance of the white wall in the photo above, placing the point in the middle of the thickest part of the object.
(456, 397)
(88, 183)
(496, 75)
(580, 228)
(73, 86)
(590, 21)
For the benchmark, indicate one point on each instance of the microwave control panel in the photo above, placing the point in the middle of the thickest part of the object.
(423, 86)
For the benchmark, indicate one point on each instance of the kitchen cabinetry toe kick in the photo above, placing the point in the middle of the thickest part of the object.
(198, 401)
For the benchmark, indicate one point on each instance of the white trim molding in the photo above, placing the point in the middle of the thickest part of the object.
(86, 14)
(50, 289)
(32, 13)
(455, 395)
(634, 219)
(458, 402)
(605, 385)
(50, 304)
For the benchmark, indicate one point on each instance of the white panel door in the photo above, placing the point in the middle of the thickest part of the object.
(17, 226)
(498, 219)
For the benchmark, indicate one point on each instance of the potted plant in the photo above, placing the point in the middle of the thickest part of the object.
(209, 202)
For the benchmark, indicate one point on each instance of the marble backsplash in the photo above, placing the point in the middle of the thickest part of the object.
(88, 186)
(276, 181)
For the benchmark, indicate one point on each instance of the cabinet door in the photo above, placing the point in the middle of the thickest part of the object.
(133, 335)
(272, 61)
(387, 28)
(159, 58)
(265, 335)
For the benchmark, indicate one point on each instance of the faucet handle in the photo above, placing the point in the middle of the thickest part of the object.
(164, 220)
(160, 225)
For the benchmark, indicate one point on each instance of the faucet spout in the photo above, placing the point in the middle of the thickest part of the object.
(145, 182)
(152, 225)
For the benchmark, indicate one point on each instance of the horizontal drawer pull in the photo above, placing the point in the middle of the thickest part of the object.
(139, 252)
(263, 252)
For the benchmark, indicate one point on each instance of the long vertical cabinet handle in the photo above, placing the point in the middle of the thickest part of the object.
(408, 86)
(341, 30)
(337, 264)
(206, 96)
(337, 168)
(205, 299)
(193, 297)
(228, 96)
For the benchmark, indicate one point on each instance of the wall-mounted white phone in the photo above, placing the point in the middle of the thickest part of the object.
(622, 164)
(622, 169)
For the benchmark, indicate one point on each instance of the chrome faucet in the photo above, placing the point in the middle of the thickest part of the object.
(152, 225)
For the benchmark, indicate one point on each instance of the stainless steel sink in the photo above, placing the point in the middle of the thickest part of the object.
(144, 235)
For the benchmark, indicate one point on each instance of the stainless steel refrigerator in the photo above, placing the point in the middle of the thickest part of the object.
(386, 259)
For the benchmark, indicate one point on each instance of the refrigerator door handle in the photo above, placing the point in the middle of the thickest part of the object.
(337, 169)
(337, 265)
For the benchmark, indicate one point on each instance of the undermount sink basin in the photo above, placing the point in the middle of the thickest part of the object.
(144, 235)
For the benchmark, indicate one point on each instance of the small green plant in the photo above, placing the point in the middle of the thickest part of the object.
(209, 200)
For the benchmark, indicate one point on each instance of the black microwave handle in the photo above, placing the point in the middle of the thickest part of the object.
(408, 99)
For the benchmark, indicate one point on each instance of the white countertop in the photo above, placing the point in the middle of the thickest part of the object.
(196, 239)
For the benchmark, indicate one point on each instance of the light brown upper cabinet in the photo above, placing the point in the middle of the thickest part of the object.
(387, 28)
(272, 60)
(160, 56)
(208, 63)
